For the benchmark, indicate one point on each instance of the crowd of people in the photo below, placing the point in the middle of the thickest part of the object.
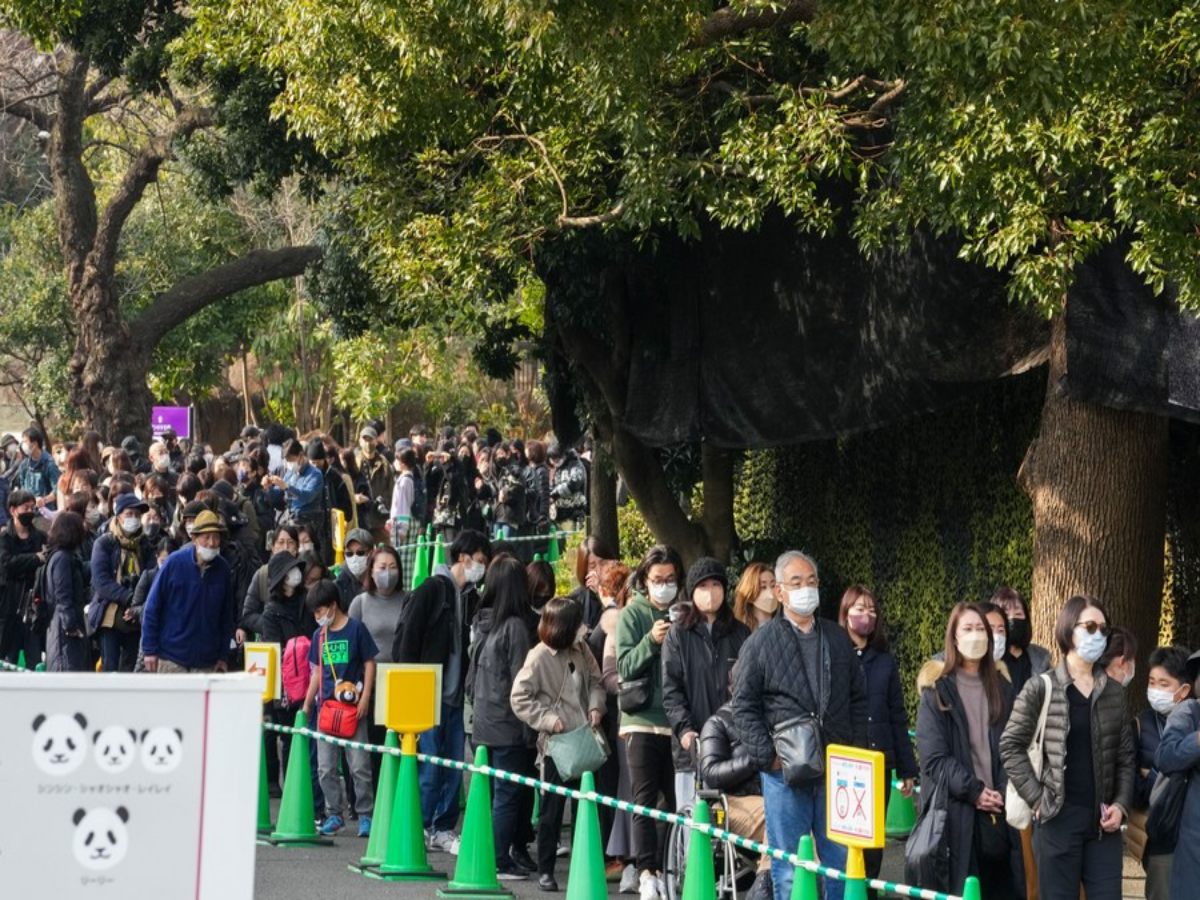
(683, 678)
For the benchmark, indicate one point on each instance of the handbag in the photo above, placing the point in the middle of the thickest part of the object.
(798, 741)
(633, 695)
(1016, 810)
(574, 752)
(927, 850)
(1166, 809)
(991, 836)
(337, 717)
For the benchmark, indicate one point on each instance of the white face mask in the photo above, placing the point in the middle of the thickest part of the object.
(1128, 679)
(293, 468)
(662, 594)
(973, 646)
(26, 448)
(1161, 700)
(324, 621)
(473, 571)
(160, 464)
(293, 578)
(803, 601)
(131, 526)
(708, 599)
(207, 554)
(999, 644)
(1090, 647)
(357, 565)
(306, 548)
(208, 459)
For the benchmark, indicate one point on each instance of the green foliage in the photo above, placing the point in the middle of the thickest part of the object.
(926, 512)
(636, 537)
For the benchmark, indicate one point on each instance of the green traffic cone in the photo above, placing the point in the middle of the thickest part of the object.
(420, 565)
(552, 548)
(971, 889)
(264, 797)
(439, 554)
(699, 878)
(901, 814)
(537, 557)
(475, 872)
(586, 877)
(405, 858)
(295, 823)
(804, 886)
(384, 797)
(40, 667)
(21, 659)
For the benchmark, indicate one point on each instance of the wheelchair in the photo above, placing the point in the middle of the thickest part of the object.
(735, 868)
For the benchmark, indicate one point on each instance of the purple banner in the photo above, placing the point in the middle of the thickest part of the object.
(177, 417)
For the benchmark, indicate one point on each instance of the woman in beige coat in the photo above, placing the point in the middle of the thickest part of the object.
(557, 690)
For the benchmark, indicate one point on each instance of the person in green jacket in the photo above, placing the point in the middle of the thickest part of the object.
(641, 630)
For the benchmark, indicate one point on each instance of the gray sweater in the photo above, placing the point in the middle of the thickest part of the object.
(381, 615)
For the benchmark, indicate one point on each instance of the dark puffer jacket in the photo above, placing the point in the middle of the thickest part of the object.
(497, 661)
(887, 720)
(724, 763)
(770, 688)
(1113, 753)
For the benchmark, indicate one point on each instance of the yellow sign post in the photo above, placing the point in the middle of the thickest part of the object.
(854, 808)
(262, 659)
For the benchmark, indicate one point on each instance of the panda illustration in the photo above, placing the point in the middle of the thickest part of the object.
(115, 748)
(162, 749)
(59, 742)
(101, 838)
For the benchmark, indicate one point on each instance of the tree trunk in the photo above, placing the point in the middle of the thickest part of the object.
(717, 471)
(602, 493)
(108, 373)
(1097, 478)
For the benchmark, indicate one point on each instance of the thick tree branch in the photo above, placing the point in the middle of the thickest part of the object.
(74, 193)
(27, 109)
(142, 172)
(729, 21)
(612, 215)
(176, 305)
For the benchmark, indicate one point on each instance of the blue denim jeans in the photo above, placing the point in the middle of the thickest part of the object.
(791, 814)
(440, 786)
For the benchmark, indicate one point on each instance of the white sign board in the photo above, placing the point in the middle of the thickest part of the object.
(129, 785)
(854, 796)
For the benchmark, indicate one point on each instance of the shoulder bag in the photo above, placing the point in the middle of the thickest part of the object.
(337, 717)
(1016, 810)
(581, 749)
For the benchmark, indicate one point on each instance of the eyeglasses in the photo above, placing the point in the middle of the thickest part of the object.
(356, 553)
(1092, 627)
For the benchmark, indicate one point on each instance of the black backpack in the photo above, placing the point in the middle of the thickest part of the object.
(35, 610)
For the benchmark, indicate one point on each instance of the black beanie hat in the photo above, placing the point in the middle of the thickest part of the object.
(704, 568)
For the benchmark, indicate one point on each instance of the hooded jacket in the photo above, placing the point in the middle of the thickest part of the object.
(1114, 757)
(280, 618)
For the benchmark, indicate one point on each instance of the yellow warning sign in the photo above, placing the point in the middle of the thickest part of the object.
(411, 700)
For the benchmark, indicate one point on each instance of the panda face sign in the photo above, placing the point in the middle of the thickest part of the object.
(162, 750)
(101, 838)
(115, 748)
(59, 743)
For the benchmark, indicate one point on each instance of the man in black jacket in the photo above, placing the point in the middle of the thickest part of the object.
(433, 630)
(21, 552)
(794, 667)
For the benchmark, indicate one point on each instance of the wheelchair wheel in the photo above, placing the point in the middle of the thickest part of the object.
(676, 862)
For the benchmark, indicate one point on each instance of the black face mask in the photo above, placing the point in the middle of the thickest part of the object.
(26, 519)
(1019, 633)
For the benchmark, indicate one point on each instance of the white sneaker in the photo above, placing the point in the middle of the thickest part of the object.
(562, 850)
(661, 886)
(446, 841)
(629, 880)
(647, 887)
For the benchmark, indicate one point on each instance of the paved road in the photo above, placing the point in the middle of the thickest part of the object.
(321, 873)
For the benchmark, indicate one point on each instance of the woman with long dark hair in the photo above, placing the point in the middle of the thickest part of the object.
(66, 637)
(964, 705)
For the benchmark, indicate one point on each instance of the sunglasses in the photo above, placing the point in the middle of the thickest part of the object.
(357, 553)
(1092, 627)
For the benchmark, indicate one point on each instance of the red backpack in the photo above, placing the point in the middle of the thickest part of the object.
(297, 671)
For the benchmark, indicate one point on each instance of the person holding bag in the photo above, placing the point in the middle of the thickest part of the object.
(559, 694)
(1177, 757)
(1086, 787)
(342, 655)
(964, 704)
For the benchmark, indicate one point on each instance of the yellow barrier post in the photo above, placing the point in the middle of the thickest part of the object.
(854, 784)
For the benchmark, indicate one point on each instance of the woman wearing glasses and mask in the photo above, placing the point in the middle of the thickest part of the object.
(1086, 788)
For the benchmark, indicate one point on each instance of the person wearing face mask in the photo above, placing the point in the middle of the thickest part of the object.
(351, 579)
(434, 630)
(793, 669)
(66, 592)
(188, 622)
(1178, 755)
(378, 606)
(1168, 687)
(964, 704)
(37, 472)
(641, 630)
(1023, 658)
(887, 720)
(375, 470)
(754, 602)
(1120, 656)
(282, 615)
(616, 827)
(118, 558)
(1086, 788)
(300, 492)
(697, 662)
(22, 550)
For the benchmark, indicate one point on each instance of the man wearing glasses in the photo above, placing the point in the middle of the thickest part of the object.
(350, 580)
(799, 685)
